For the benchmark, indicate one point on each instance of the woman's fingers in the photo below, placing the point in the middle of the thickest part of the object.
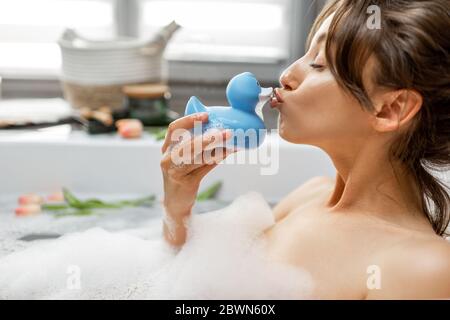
(197, 170)
(186, 123)
(199, 173)
(208, 158)
(205, 144)
(196, 150)
(195, 153)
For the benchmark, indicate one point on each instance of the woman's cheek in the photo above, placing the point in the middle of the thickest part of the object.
(312, 111)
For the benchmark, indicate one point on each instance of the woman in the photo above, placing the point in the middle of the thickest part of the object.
(377, 101)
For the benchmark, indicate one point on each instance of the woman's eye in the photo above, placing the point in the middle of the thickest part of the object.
(316, 66)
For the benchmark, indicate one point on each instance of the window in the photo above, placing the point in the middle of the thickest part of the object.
(216, 37)
(219, 30)
(29, 30)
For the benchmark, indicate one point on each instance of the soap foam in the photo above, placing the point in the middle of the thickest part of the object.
(223, 258)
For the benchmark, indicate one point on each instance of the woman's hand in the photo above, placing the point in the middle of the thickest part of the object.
(186, 160)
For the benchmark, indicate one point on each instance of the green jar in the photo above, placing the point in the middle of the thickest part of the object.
(149, 103)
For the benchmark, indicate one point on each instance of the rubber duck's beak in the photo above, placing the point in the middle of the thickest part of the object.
(264, 97)
(265, 93)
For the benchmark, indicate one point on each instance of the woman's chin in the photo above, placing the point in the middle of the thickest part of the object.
(283, 132)
(283, 127)
(290, 135)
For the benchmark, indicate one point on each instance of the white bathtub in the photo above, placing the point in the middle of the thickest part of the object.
(46, 160)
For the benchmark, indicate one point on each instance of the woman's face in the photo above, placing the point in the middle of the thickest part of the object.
(313, 108)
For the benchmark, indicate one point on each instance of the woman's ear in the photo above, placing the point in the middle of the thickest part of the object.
(396, 110)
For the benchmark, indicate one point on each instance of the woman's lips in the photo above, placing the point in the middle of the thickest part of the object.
(278, 96)
(277, 99)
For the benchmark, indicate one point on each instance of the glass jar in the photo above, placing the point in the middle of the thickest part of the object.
(149, 103)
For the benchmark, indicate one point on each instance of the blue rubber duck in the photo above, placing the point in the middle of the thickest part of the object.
(246, 98)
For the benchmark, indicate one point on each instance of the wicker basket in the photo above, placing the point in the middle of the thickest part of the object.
(94, 72)
(93, 97)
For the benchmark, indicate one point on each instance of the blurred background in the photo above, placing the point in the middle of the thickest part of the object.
(216, 40)
(88, 87)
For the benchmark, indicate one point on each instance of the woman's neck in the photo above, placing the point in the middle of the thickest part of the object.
(369, 182)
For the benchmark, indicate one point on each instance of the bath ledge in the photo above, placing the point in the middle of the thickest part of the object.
(48, 159)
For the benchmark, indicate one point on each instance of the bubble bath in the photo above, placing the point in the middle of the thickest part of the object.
(223, 258)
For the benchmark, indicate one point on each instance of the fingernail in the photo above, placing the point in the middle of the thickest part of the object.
(227, 134)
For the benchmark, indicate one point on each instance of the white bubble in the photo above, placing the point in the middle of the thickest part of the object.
(223, 258)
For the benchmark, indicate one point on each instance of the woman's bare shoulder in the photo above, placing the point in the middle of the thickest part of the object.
(304, 192)
(418, 269)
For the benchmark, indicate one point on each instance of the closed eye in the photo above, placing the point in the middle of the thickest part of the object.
(316, 66)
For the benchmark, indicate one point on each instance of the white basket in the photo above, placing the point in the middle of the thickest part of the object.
(121, 61)
(98, 63)
(93, 72)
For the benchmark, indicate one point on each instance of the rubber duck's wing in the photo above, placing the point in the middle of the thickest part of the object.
(194, 106)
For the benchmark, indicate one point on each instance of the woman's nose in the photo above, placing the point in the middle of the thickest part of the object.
(288, 80)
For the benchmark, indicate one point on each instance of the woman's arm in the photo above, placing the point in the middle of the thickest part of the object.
(175, 227)
(182, 175)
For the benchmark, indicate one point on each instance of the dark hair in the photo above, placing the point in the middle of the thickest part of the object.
(412, 51)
